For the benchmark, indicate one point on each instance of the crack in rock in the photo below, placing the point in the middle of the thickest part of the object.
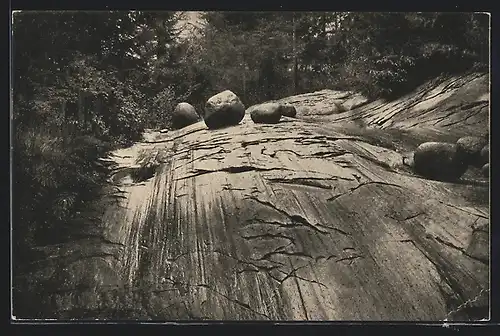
(273, 154)
(333, 198)
(203, 157)
(294, 218)
(310, 140)
(293, 274)
(458, 208)
(350, 258)
(331, 256)
(330, 154)
(286, 253)
(466, 303)
(269, 236)
(310, 182)
(275, 251)
(175, 258)
(296, 221)
(445, 277)
(230, 188)
(286, 225)
(449, 244)
(231, 170)
(406, 218)
(245, 144)
(236, 301)
(252, 261)
(439, 239)
(268, 269)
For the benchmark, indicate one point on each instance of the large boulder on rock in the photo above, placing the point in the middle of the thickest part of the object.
(184, 115)
(267, 113)
(288, 111)
(470, 147)
(223, 109)
(439, 161)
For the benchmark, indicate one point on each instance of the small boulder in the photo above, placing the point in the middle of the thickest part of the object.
(339, 107)
(439, 161)
(184, 115)
(267, 113)
(288, 111)
(486, 170)
(223, 109)
(470, 148)
(485, 154)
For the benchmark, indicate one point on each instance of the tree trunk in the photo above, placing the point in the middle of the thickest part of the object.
(80, 108)
(323, 25)
(295, 63)
(63, 117)
(244, 84)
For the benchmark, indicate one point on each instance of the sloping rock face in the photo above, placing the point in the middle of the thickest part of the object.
(292, 221)
(447, 108)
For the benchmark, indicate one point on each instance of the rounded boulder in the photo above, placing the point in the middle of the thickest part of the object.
(470, 148)
(184, 115)
(439, 161)
(223, 109)
(288, 111)
(267, 113)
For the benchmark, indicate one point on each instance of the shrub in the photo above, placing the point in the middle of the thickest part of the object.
(55, 179)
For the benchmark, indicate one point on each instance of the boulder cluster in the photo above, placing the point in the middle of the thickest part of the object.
(226, 109)
(449, 161)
